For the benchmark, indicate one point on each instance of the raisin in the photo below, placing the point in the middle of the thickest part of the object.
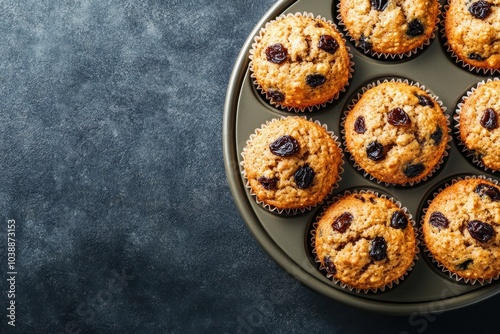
(489, 120)
(360, 198)
(425, 101)
(437, 136)
(378, 249)
(328, 43)
(399, 220)
(415, 28)
(276, 95)
(375, 151)
(475, 56)
(379, 5)
(304, 177)
(284, 146)
(315, 80)
(465, 264)
(276, 53)
(493, 193)
(329, 266)
(480, 231)
(437, 219)
(268, 183)
(480, 9)
(359, 125)
(413, 170)
(364, 43)
(342, 222)
(398, 117)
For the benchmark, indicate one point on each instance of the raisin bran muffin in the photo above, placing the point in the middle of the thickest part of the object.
(300, 62)
(478, 124)
(365, 241)
(389, 27)
(292, 163)
(461, 229)
(397, 133)
(472, 29)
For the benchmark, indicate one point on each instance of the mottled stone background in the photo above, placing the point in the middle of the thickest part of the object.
(111, 165)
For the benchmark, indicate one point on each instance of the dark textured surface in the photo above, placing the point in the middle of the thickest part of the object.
(111, 165)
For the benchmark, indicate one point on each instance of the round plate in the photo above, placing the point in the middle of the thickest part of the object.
(286, 238)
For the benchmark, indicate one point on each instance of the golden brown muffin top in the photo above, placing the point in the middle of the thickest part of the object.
(292, 163)
(396, 132)
(462, 228)
(300, 61)
(479, 123)
(365, 241)
(472, 29)
(389, 26)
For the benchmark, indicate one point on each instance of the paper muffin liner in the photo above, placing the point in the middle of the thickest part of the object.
(358, 97)
(343, 285)
(456, 117)
(289, 108)
(273, 208)
(390, 56)
(453, 276)
(455, 57)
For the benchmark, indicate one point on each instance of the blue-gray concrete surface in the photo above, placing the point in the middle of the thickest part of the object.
(111, 170)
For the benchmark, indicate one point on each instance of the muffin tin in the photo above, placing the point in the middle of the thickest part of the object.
(287, 238)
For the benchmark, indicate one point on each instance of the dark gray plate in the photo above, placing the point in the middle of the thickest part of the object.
(286, 238)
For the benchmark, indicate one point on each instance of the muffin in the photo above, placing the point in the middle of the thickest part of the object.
(461, 229)
(396, 132)
(388, 27)
(472, 29)
(300, 62)
(365, 241)
(292, 163)
(477, 121)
